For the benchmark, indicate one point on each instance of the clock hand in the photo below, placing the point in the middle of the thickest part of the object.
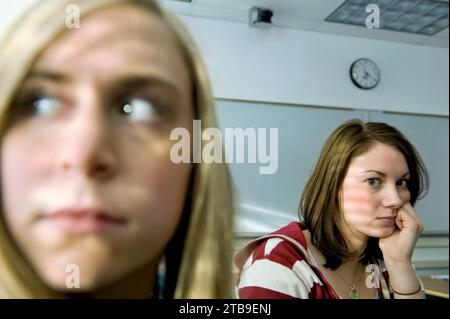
(371, 77)
(367, 74)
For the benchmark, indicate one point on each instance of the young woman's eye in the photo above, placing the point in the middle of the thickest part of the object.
(138, 109)
(39, 105)
(45, 106)
(373, 182)
(402, 183)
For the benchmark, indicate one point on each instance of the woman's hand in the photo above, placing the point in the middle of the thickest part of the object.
(397, 253)
(399, 247)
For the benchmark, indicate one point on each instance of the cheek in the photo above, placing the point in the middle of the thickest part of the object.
(154, 192)
(359, 204)
(24, 165)
(405, 196)
(162, 189)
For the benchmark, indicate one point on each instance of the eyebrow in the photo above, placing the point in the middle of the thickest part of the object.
(48, 75)
(381, 173)
(143, 81)
(132, 81)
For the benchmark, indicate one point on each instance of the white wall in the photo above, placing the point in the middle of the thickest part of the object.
(309, 68)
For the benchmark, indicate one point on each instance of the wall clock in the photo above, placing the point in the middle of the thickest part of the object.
(365, 73)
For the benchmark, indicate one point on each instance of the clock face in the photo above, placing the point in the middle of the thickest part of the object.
(365, 74)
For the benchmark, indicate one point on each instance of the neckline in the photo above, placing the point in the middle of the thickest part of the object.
(321, 275)
(316, 268)
(318, 272)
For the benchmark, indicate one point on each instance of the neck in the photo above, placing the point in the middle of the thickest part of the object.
(356, 242)
(350, 269)
(357, 247)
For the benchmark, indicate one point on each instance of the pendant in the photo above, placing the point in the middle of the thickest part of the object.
(354, 293)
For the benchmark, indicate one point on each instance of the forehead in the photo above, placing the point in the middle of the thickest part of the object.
(380, 157)
(113, 37)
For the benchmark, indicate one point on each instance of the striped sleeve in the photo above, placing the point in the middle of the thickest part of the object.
(275, 270)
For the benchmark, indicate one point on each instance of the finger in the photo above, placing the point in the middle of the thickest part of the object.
(408, 212)
(408, 207)
(408, 218)
(399, 220)
(413, 214)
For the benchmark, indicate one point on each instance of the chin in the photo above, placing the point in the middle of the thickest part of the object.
(79, 277)
(382, 232)
(70, 283)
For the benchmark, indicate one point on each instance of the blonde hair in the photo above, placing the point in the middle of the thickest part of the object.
(205, 268)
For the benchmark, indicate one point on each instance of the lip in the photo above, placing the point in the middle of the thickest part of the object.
(82, 220)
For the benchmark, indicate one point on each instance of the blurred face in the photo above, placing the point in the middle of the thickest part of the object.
(374, 189)
(87, 178)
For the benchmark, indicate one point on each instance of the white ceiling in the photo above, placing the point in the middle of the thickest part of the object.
(299, 14)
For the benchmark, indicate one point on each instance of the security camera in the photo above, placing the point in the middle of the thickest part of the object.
(260, 17)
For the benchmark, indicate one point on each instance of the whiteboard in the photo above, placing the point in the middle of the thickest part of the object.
(265, 203)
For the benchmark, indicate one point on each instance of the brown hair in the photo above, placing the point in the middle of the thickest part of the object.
(320, 204)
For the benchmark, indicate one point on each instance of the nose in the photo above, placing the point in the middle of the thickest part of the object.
(392, 197)
(87, 147)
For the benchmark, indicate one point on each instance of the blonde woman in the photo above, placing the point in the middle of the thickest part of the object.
(92, 204)
(359, 226)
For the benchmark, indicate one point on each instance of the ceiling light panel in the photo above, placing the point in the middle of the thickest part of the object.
(426, 17)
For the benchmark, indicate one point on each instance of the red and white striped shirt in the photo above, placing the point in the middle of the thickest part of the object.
(279, 265)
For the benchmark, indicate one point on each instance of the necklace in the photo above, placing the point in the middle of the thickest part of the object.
(354, 291)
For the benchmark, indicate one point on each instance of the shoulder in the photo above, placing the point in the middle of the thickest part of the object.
(287, 241)
(276, 266)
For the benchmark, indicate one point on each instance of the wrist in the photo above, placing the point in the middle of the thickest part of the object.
(403, 279)
(401, 264)
(410, 293)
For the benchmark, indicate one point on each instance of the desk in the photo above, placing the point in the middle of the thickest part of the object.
(435, 287)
